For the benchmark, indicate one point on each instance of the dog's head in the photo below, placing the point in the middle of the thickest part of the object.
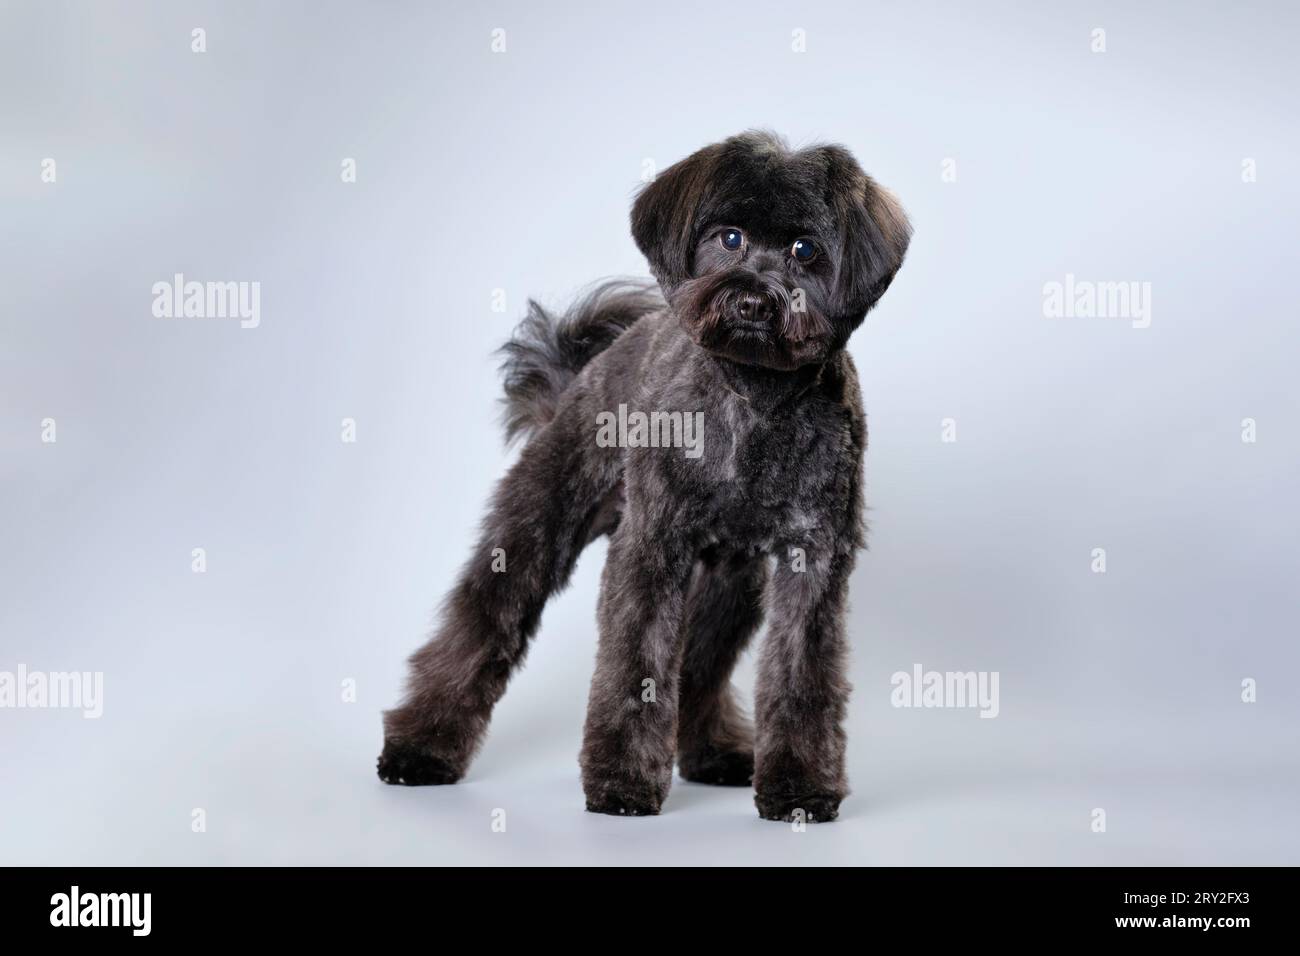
(770, 256)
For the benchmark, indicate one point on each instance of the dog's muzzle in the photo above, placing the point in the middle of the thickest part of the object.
(751, 305)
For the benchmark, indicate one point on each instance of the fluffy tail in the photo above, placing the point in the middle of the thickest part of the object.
(546, 353)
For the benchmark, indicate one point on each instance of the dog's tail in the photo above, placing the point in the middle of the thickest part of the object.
(547, 352)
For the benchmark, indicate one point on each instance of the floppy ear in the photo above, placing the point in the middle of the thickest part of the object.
(664, 216)
(874, 235)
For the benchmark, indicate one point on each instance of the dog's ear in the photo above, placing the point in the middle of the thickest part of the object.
(665, 215)
(874, 235)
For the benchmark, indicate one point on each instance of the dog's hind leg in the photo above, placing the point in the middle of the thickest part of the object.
(715, 740)
(544, 512)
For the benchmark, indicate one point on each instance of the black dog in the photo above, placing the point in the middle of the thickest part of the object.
(768, 259)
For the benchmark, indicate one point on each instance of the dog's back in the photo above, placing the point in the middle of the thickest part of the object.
(547, 352)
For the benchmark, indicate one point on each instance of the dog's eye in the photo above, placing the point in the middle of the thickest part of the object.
(731, 239)
(804, 250)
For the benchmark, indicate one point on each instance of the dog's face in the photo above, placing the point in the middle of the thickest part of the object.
(770, 257)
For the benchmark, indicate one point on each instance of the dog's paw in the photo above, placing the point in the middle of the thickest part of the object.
(624, 799)
(623, 805)
(725, 768)
(804, 808)
(403, 763)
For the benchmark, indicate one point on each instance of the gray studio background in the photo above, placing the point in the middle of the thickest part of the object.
(479, 171)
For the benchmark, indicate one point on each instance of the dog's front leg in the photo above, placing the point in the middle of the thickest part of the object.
(803, 690)
(630, 739)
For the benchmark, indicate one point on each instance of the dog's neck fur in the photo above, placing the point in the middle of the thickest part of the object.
(764, 390)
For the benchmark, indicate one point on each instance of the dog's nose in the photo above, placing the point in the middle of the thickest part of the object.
(751, 308)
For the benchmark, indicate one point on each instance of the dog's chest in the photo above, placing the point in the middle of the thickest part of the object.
(768, 480)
